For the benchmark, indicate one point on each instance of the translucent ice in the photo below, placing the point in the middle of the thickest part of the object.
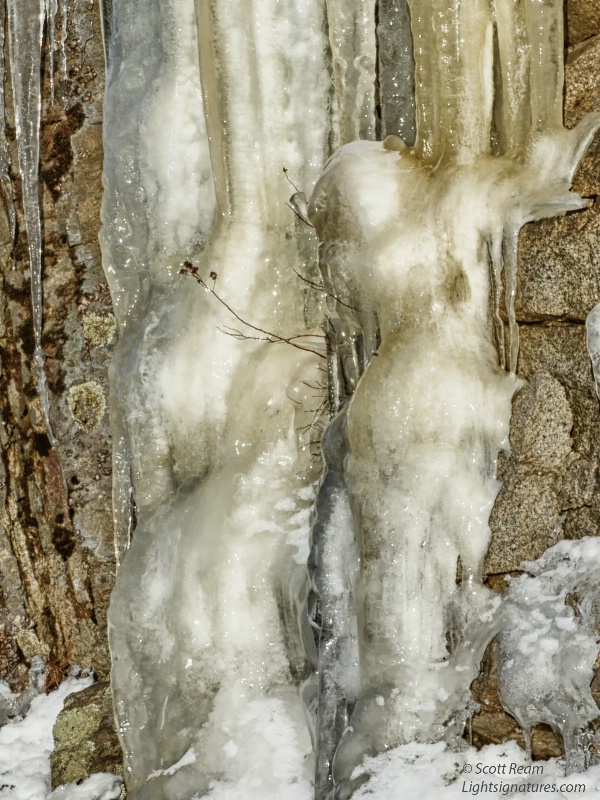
(218, 382)
(592, 325)
(214, 419)
(25, 31)
(549, 643)
(413, 243)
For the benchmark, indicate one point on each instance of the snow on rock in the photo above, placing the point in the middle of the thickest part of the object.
(25, 747)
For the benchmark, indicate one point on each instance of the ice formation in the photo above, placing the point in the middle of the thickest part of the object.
(549, 643)
(215, 428)
(414, 242)
(25, 35)
(592, 325)
(218, 385)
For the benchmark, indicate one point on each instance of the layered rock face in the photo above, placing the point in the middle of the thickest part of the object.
(56, 536)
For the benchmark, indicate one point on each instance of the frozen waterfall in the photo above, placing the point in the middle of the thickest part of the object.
(248, 324)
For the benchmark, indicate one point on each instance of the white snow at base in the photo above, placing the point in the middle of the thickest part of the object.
(423, 771)
(99, 786)
(25, 747)
(431, 772)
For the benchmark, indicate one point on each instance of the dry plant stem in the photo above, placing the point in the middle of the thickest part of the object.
(189, 269)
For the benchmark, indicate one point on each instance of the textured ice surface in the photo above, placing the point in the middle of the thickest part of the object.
(550, 624)
(215, 421)
(208, 626)
(354, 56)
(413, 243)
(25, 31)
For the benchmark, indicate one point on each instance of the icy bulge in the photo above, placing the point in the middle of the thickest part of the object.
(249, 324)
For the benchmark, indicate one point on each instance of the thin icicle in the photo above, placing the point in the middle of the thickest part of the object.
(25, 30)
(5, 182)
(511, 240)
(51, 8)
(396, 69)
(62, 64)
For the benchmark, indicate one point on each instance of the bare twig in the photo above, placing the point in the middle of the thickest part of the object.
(189, 269)
(290, 181)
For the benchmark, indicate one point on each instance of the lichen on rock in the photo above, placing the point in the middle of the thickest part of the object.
(87, 404)
(98, 330)
(85, 740)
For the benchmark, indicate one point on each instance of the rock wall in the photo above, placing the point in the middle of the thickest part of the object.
(56, 547)
(551, 479)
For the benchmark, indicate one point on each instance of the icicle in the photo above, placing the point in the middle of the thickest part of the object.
(509, 264)
(51, 7)
(5, 182)
(592, 325)
(62, 55)
(454, 82)
(512, 117)
(334, 565)
(396, 70)
(107, 34)
(25, 27)
(353, 47)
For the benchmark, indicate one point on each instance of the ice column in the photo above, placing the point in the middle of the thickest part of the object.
(214, 410)
(354, 58)
(413, 242)
(396, 72)
(25, 30)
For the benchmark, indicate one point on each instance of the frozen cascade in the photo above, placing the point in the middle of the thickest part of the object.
(25, 34)
(409, 239)
(214, 379)
(211, 426)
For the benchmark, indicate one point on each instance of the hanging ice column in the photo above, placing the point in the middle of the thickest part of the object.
(214, 419)
(416, 240)
(25, 34)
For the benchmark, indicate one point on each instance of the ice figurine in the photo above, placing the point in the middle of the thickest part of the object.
(418, 250)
